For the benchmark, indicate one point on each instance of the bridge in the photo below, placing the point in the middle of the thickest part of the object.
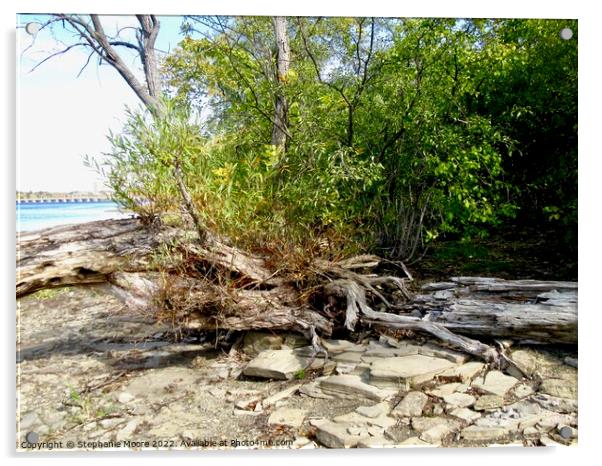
(62, 200)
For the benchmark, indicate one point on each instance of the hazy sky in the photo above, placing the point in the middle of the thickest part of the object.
(62, 117)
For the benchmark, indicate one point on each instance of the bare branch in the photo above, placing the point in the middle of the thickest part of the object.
(86, 64)
(61, 52)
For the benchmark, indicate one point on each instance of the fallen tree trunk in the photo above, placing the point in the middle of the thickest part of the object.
(214, 285)
(537, 311)
(90, 252)
(83, 253)
(540, 323)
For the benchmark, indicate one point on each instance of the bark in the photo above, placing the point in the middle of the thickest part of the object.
(280, 128)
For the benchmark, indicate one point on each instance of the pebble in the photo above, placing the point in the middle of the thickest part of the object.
(125, 397)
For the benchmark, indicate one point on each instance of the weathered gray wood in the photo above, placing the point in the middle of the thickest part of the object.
(534, 310)
(499, 284)
(537, 322)
(90, 252)
(357, 307)
(84, 253)
(237, 291)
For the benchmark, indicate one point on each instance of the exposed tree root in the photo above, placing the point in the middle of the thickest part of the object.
(217, 286)
(357, 307)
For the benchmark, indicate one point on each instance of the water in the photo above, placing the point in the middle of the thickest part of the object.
(38, 216)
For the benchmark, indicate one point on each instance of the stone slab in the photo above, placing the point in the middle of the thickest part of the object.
(288, 417)
(495, 383)
(275, 364)
(406, 371)
(352, 386)
(412, 405)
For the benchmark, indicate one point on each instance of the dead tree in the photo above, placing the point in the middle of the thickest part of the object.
(92, 35)
(217, 285)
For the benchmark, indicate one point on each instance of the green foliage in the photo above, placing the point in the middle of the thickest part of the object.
(139, 169)
(402, 131)
(533, 97)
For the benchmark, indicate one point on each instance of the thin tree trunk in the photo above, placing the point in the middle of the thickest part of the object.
(280, 128)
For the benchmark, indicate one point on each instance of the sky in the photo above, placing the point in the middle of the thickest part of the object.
(62, 117)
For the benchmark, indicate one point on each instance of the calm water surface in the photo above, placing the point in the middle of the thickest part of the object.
(38, 216)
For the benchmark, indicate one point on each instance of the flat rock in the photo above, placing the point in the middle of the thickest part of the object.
(414, 442)
(377, 410)
(437, 351)
(436, 433)
(125, 397)
(412, 405)
(542, 364)
(342, 346)
(288, 417)
(406, 371)
(313, 390)
(281, 395)
(352, 386)
(466, 372)
(383, 422)
(559, 388)
(465, 414)
(531, 433)
(445, 389)
(553, 403)
(379, 441)
(352, 419)
(294, 340)
(550, 420)
(483, 434)
(495, 383)
(422, 424)
(334, 435)
(274, 364)
(380, 350)
(459, 400)
(487, 402)
(345, 368)
(301, 442)
(522, 390)
(256, 342)
(248, 403)
(349, 357)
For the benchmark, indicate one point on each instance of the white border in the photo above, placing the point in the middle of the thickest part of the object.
(590, 173)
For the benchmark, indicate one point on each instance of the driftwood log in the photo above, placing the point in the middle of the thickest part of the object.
(533, 310)
(215, 285)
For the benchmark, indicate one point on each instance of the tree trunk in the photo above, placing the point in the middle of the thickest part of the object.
(84, 253)
(280, 128)
(215, 285)
(534, 310)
